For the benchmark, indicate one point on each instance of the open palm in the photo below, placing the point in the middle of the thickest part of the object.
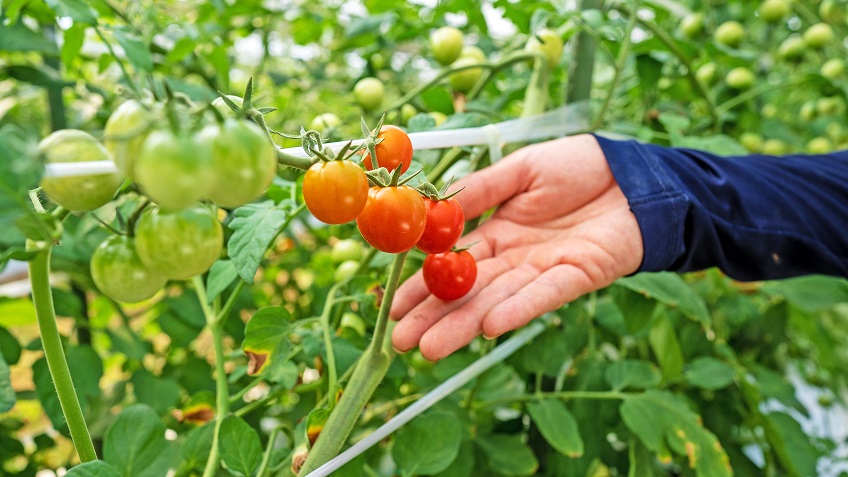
(562, 228)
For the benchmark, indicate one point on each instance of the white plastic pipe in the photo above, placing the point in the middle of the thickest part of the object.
(555, 123)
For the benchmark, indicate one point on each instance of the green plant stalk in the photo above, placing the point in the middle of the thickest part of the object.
(536, 95)
(328, 342)
(759, 91)
(120, 63)
(266, 458)
(619, 66)
(581, 69)
(222, 392)
(367, 375)
(51, 341)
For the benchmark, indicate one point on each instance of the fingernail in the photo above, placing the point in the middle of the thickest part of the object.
(397, 350)
(487, 337)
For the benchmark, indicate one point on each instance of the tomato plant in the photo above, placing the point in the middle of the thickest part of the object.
(446, 44)
(119, 274)
(179, 244)
(394, 150)
(445, 222)
(335, 191)
(393, 219)
(450, 275)
(125, 132)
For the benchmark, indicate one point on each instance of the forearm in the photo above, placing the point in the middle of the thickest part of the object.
(755, 217)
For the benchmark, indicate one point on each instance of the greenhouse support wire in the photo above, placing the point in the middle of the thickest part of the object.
(460, 379)
(560, 122)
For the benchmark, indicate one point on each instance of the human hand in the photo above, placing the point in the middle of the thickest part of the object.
(563, 228)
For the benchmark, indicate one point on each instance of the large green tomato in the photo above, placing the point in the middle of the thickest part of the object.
(369, 93)
(77, 193)
(175, 170)
(692, 25)
(774, 11)
(181, 244)
(464, 80)
(323, 122)
(125, 132)
(244, 162)
(740, 78)
(833, 68)
(119, 274)
(446, 44)
(819, 35)
(472, 51)
(547, 42)
(792, 48)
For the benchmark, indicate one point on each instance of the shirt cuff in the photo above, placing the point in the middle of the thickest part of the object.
(655, 197)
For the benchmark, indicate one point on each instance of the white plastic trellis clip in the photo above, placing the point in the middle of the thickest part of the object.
(495, 152)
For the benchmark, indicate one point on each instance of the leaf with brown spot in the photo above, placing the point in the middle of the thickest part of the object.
(315, 424)
(266, 339)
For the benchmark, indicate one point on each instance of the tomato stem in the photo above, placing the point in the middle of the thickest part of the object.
(51, 341)
(623, 53)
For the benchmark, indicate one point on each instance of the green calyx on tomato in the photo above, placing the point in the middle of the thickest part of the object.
(446, 44)
(244, 162)
(335, 192)
(393, 219)
(77, 193)
(369, 93)
(393, 149)
(125, 132)
(179, 244)
(222, 106)
(174, 169)
(450, 275)
(119, 273)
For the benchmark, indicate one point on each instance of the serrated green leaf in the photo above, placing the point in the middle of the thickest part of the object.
(508, 455)
(666, 346)
(78, 10)
(438, 432)
(221, 275)
(135, 48)
(73, 39)
(632, 373)
(709, 373)
(7, 392)
(669, 288)
(96, 468)
(663, 422)
(239, 445)
(791, 444)
(135, 443)
(464, 463)
(811, 294)
(557, 426)
(40, 226)
(254, 227)
(266, 339)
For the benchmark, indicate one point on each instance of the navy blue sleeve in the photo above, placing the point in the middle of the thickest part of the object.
(754, 217)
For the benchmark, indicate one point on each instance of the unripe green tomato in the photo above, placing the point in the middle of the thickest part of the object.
(730, 33)
(174, 169)
(692, 25)
(325, 121)
(407, 111)
(369, 93)
(835, 132)
(753, 142)
(819, 35)
(378, 61)
(224, 108)
(774, 147)
(740, 78)
(354, 322)
(438, 116)
(792, 48)
(833, 68)
(181, 244)
(828, 105)
(819, 145)
(446, 44)
(550, 45)
(471, 51)
(419, 362)
(346, 270)
(769, 111)
(77, 193)
(808, 111)
(774, 11)
(125, 131)
(707, 73)
(831, 12)
(464, 80)
(346, 249)
(119, 274)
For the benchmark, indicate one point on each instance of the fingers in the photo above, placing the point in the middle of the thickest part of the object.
(493, 185)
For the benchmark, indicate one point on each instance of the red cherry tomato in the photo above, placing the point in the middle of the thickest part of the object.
(445, 221)
(395, 150)
(450, 275)
(393, 218)
(335, 191)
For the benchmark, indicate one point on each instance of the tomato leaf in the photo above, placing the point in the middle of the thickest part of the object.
(158, 392)
(136, 49)
(791, 444)
(557, 425)
(254, 227)
(18, 37)
(438, 432)
(135, 443)
(663, 422)
(241, 450)
(666, 346)
(508, 455)
(73, 40)
(709, 373)
(96, 468)
(78, 10)
(671, 289)
(221, 275)
(19, 173)
(197, 446)
(7, 392)
(632, 373)
(266, 340)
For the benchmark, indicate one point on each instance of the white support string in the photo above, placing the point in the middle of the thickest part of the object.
(559, 122)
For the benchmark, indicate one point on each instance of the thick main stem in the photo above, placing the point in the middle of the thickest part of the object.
(39, 273)
(363, 382)
(583, 65)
